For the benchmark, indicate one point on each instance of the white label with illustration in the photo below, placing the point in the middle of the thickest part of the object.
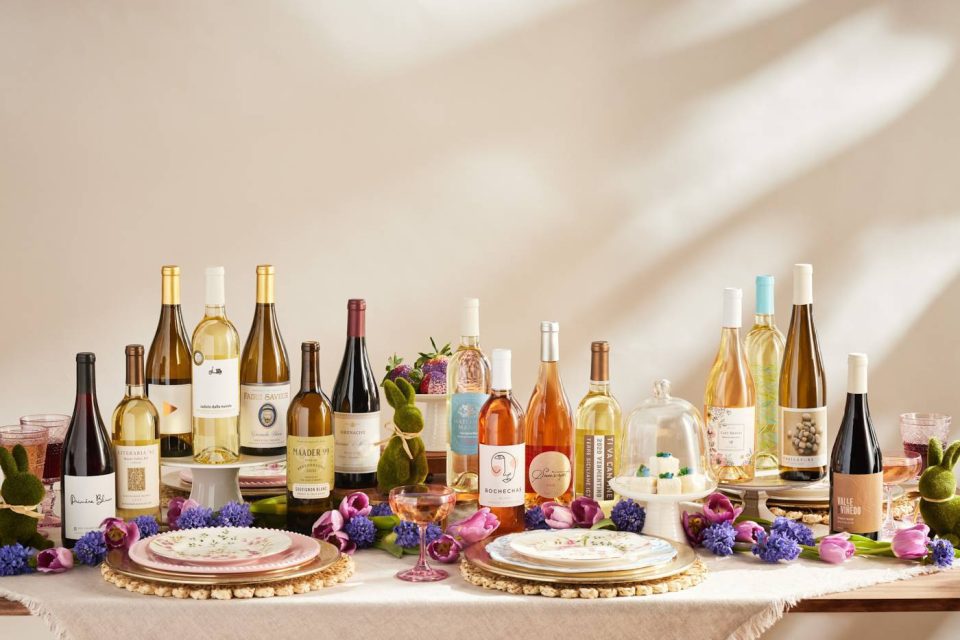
(803, 437)
(731, 435)
(501, 475)
(87, 501)
(355, 442)
(263, 415)
(173, 407)
(216, 387)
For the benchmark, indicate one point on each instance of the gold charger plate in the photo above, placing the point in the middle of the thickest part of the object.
(120, 563)
(685, 558)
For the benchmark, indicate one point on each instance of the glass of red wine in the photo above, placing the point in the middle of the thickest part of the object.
(897, 469)
(916, 429)
(56, 425)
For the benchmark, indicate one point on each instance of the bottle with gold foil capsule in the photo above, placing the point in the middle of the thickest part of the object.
(764, 346)
(168, 371)
(729, 401)
(599, 431)
(549, 431)
(264, 377)
(310, 447)
(136, 445)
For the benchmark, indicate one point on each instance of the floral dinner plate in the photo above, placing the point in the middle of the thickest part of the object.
(220, 545)
(500, 551)
(585, 547)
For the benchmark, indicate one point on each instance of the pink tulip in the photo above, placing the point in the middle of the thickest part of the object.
(355, 504)
(911, 544)
(475, 528)
(836, 548)
(341, 541)
(119, 534)
(445, 549)
(747, 531)
(718, 508)
(328, 523)
(177, 506)
(586, 512)
(56, 560)
(557, 516)
(693, 527)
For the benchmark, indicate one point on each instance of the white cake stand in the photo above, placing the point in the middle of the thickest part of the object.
(214, 485)
(663, 510)
(755, 493)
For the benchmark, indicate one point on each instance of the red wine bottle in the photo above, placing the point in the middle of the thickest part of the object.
(856, 467)
(89, 479)
(356, 409)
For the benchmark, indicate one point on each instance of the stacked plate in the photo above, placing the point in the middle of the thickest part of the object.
(811, 496)
(581, 556)
(216, 555)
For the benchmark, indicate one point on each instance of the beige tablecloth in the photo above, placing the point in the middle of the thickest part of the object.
(740, 598)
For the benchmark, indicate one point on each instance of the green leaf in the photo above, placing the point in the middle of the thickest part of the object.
(389, 544)
(606, 523)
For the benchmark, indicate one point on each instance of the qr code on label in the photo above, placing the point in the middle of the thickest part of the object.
(137, 479)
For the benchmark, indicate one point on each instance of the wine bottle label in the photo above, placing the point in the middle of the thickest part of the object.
(355, 437)
(549, 473)
(857, 502)
(803, 437)
(730, 435)
(310, 466)
(263, 414)
(216, 387)
(464, 414)
(501, 475)
(138, 476)
(597, 466)
(766, 380)
(87, 501)
(173, 407)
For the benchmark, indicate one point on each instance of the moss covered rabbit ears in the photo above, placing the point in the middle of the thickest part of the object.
(16, 463)
(400, 393)
(937, 457)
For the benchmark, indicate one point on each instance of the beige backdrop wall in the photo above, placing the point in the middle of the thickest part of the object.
(610, 165)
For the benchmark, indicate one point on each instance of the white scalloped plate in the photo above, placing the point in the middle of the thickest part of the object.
(220, 545)
(302, 549)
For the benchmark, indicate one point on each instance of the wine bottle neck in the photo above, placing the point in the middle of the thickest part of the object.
(310, 372)
(135, 391)
(764, 320)
(500, 393)
(600, 387)
(171, 289)
(215, 311)
(86, 380)
(470, 341)
(549, 348)
(356, 323)
(265, 285)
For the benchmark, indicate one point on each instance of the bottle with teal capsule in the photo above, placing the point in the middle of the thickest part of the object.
(764, 346)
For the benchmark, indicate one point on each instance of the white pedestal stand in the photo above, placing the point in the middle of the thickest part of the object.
(214, 485)
(755, 493)
(663, 510)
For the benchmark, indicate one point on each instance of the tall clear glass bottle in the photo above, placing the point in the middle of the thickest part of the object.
(216, 379)
(468, 387)
(136, 445)
(599, 431)
(549, 430)
(729, 401)
(764, 346)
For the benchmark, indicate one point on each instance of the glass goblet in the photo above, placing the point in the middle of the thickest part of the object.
(56, 425)
(898, 467)
(916, 429)
(422, 504)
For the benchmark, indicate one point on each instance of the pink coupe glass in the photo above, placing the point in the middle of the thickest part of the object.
(422, 504)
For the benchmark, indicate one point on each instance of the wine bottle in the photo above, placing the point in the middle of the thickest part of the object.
(764, 347)
(89, 481)
(729, 401)
(856, 466)
(310, 446)
(803, 390)
(501, 449)
(598, 434)
(549, 432)
(216, 379)
(264, 377)
(356, 408)
(468, 387)
(136, 445)
(169, 371)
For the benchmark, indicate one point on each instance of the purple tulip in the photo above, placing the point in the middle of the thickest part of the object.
(56, 560)
(693, 526)
(836, 548)
(341, 541)
(747, 531)
(445, 549)
(119, 534)
(586, 512)
(557, 516)
(177, 506)
(355, 504)
(327, 524)
(911, 544)
(718, 508)
(475, 528)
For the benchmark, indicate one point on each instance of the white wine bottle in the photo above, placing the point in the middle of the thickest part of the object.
(803, 390)
(216, 379)
(764, 347)
(264, 377)
(599, 431)
(136, 445)
(729, 401)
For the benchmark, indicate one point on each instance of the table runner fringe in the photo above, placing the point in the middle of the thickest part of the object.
(37, 608)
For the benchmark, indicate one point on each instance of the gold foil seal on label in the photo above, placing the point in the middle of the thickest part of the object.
(549, 474)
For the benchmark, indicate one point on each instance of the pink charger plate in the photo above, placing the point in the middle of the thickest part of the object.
(304, 548)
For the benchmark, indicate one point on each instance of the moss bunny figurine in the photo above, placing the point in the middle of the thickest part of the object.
(939, 506)
(21, 490)
(404, 460)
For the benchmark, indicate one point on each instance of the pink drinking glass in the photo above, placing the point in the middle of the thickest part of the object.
(56, 425)
(422, 504)
(916, 429)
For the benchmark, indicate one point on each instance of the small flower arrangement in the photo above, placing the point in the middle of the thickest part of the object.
(428, 373)
(585, 513)
(356, 524)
